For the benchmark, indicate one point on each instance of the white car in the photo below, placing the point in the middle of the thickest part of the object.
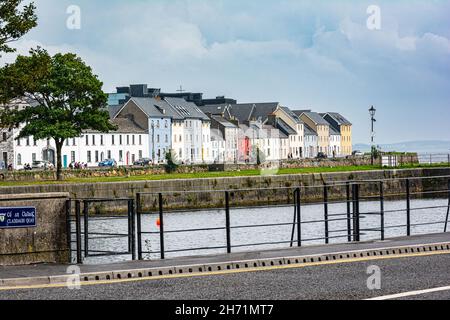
(42, 165)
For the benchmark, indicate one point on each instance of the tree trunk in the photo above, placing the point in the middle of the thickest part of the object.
(59, 144)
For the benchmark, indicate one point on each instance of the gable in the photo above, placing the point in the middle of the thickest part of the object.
(133, 112)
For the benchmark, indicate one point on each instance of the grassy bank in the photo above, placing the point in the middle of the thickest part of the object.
(243, 173)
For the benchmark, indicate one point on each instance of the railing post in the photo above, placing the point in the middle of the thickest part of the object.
(408, 208)
(356, 233)
(227, 221)
(382, 209)
(325, 211)
(139, 227)
(349, 213)
(299, 218)
(78, 230)
(69, 225)
(133, 234)
(448, 207)
(161, 225)
(86, 227)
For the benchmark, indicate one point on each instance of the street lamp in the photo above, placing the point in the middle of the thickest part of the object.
(372, 112)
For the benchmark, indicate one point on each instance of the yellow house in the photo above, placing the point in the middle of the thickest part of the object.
(344, 126)
(321, 126)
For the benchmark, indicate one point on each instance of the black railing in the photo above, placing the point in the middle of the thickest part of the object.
(78, 226)
(351, 196)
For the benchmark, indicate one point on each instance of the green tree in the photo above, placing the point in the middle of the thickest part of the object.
(15, 23)
(67, 98)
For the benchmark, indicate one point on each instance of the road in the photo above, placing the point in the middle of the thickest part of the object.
(337, 280)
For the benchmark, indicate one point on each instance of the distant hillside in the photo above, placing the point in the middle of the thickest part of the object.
(435, 146)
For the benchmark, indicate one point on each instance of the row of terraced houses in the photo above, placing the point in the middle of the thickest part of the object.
(196, 130)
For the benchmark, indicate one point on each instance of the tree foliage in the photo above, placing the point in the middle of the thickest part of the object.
(65, 97)
(14, 23)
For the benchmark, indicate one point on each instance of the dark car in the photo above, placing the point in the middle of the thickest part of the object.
(143, 162)
(321, 155)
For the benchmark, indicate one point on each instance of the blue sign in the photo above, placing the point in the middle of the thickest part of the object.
(17, 217)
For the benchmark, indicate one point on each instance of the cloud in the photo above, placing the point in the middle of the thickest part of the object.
(303, 53)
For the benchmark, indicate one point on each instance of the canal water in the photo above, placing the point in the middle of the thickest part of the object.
(432, 211)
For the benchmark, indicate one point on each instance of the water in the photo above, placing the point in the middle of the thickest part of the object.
(272, 215)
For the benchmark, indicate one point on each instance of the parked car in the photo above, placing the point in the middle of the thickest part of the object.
(321, 155)
(108, 163)
(43, 164)
(142, 162)
(358, 153)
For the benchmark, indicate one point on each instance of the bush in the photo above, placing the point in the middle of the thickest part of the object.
(170, 165)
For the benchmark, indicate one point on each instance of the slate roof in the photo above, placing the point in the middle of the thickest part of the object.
(309, 131)
(341, 120)
(125, 125)
(291, 114)
(186, 109)
(224, 122)
(334, 131)
(316, 118)
(253, 111)
(285, 128)
(155, 107)
(113, 110)
(214, 109)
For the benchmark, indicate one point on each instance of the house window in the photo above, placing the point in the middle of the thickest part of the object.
(28, 141)
(5, 136)
(140, 154)
(18, 142)
(101, 139)
(120, 139)
(33, 157)
(34, 142)
(87, 141)
(72, 156)
(74, 142)
(19, 159)
(89, 159)
(120, 155)
(128, 139)
(180, 138)
(133, 158)
(140, 140)
(67, 142)
(109, 154)
(112, 139)
(93, 140)
(96, 156)
(132, 140)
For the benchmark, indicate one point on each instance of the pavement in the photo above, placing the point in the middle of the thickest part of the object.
(339, 271)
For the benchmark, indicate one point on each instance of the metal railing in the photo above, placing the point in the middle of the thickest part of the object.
(80, 223)
(348, 194)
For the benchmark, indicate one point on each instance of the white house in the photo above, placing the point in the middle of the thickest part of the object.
(125, 145)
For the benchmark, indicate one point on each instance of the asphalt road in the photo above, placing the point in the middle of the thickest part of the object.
(335, 281)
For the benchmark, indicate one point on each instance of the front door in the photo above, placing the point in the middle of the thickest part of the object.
(65, 161)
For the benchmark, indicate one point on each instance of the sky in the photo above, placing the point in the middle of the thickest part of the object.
(318, 55)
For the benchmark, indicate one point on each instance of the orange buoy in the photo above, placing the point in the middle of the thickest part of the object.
(158, 222)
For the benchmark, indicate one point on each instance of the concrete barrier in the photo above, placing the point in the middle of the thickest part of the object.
(44, 243)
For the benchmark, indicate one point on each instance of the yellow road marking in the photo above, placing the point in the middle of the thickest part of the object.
(227, 272)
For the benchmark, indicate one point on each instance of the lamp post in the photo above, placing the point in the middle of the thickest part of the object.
(372, 112)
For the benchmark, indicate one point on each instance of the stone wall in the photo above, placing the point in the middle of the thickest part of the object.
(45, 243)
(185, 194)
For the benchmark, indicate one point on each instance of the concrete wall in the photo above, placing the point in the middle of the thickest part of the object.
(45, 243)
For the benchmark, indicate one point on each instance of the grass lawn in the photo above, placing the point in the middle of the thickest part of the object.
(243, 173)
